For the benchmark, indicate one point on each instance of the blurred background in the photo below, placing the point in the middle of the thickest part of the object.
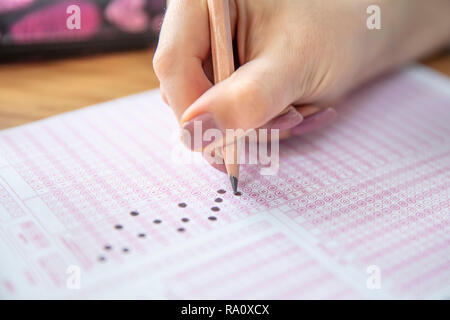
(45, 29)
(59, 55)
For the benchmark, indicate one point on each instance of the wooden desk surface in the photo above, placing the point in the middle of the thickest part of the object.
(33, 91)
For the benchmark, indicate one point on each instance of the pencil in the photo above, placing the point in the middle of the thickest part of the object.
(223, 66)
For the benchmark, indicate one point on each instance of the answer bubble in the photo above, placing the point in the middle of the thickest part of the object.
(107, 247)
(157, 221)
(134, 213)
(218, 200)
(215, 209)
(221, 191)
(212, 218)
(185, 219)
(118, 226)
(125, 250)
(142, 235)
(182, 205)
(181, 229)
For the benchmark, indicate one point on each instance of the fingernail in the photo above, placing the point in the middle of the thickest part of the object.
(215, 159)
(192, 131)
(315, 121)
(285, 121)
(219, 167)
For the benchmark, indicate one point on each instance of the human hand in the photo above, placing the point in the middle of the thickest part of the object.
(291, 53)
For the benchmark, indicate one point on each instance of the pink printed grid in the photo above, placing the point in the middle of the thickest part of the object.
(93, 167)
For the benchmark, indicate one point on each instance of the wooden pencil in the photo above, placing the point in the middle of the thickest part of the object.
(223, 66)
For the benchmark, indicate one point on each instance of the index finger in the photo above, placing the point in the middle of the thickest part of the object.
(183, 45)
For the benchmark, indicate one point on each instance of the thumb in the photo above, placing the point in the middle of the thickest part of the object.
(249, 98)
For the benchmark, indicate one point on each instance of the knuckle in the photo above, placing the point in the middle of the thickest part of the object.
(162, 62)
(252, 103)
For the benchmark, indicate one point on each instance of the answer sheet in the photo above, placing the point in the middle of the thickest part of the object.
(93, 204)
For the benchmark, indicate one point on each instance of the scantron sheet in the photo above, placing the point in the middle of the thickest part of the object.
(94, 205)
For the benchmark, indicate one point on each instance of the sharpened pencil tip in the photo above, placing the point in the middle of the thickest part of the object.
(234, 183)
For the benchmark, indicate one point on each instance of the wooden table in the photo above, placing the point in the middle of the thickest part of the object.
(32, 91)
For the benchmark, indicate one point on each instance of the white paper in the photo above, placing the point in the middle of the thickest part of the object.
(357, 210)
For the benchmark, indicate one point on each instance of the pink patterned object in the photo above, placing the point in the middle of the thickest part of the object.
(157, 23)
(56, 28)
(50, 23)
(8, 5)
(128, 15)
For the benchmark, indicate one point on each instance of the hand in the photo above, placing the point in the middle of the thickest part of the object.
(268, 81)
(292, 53)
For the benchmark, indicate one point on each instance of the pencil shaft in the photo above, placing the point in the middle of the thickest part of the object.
(221, 41)
(223, 63)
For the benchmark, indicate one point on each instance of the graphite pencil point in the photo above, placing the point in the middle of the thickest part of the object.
(234, 183)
